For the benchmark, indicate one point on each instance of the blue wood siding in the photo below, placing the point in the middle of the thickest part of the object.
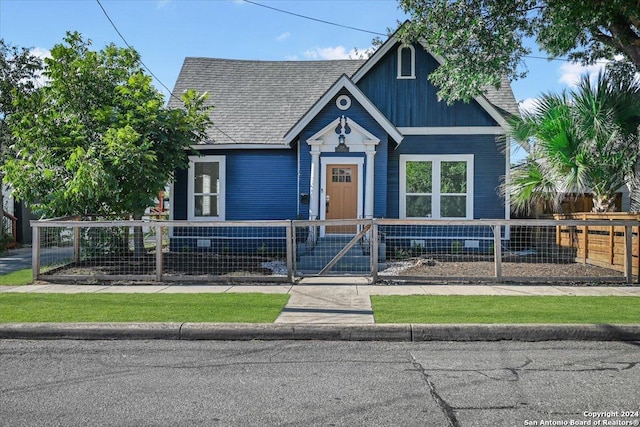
(358, 114)
(488, 168)
(414, 102)
(260, 185)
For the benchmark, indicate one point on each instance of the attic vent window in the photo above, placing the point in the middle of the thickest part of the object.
(406, 62)
(343, 102)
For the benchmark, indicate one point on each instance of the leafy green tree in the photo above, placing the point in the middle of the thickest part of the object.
(96, 139)
(19, 69)
(482, 41)
(586, 140)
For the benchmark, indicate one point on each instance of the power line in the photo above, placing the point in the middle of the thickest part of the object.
(374, 32)
(130, 47)
(171, 94)
(314, 19)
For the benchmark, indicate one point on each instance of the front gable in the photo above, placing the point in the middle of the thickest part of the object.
(366, 134)
(403, 93)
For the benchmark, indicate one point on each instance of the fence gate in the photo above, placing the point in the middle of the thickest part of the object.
(335, 248)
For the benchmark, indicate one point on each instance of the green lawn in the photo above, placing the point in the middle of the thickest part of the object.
(505, 309)
(20, 277)
(252, 308)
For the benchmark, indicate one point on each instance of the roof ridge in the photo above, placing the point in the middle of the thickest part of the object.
(276, 61)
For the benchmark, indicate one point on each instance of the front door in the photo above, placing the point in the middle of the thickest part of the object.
(342, 196)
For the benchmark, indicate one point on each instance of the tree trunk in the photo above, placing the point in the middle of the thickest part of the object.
(138, 238)
(604, 203)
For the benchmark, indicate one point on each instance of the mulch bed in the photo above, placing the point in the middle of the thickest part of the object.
(449, 267)
(173, 263)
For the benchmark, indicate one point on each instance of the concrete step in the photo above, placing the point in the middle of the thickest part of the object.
(315, 259)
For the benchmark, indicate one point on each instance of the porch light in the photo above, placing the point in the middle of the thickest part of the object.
(342, 146)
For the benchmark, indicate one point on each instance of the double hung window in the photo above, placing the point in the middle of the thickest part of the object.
(206, 188)
(437, 186)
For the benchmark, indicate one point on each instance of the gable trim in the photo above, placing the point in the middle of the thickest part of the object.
(454, 130)
(200, 147)
(315, 139)
(343, 82)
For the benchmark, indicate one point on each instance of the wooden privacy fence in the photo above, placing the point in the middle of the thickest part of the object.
(601, 245)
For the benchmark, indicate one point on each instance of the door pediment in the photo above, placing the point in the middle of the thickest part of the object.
(356, 138)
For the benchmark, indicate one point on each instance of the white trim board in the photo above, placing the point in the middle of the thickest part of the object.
(324, 161)
(222, 178)
(436, 194)
(281, 146)
(453, 130)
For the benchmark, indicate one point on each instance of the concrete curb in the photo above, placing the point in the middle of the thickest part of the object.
(525, 332)
(332, 332)
(90, 331)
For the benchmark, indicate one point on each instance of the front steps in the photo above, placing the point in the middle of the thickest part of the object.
(310, 261)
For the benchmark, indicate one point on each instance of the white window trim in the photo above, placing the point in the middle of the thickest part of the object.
(221, 194)
(413, 62)
(437, 159)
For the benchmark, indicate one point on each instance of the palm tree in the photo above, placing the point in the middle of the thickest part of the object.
(585, 140)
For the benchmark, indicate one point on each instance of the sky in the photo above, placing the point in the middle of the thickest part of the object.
(164, 32)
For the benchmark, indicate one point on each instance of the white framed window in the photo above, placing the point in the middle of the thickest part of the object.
(206, 188)
(406, 62)
(436, 186)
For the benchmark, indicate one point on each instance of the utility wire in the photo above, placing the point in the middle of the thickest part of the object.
(315, 19)
(171, 94)
(374, 32)
(130, 47)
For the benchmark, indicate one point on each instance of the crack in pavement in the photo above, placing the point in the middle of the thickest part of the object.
(448, 411)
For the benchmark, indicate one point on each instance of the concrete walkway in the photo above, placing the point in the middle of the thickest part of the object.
(323, 304)
(334, 303)
(15, 259)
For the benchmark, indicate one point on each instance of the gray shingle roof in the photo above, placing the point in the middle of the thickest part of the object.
(503, 98)
(257, 102)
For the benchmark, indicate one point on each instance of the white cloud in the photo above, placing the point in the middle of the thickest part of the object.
(527, 105)
(572, 72)
(283, 36)
(338, 52)
(42, 54)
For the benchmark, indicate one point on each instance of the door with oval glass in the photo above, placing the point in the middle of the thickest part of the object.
(342, 196)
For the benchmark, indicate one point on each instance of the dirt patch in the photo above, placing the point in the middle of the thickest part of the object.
(438, 268)
(480, 267)
(173, 264)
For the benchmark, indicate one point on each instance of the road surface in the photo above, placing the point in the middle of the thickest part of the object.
(307, 383)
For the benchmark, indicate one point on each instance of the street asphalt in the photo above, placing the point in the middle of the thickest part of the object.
(320, 309)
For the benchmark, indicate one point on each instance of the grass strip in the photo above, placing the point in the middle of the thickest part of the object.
(505, 309)
(228, 307)
(16, 278)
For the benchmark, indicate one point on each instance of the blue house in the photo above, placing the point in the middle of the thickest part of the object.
(340, 139)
